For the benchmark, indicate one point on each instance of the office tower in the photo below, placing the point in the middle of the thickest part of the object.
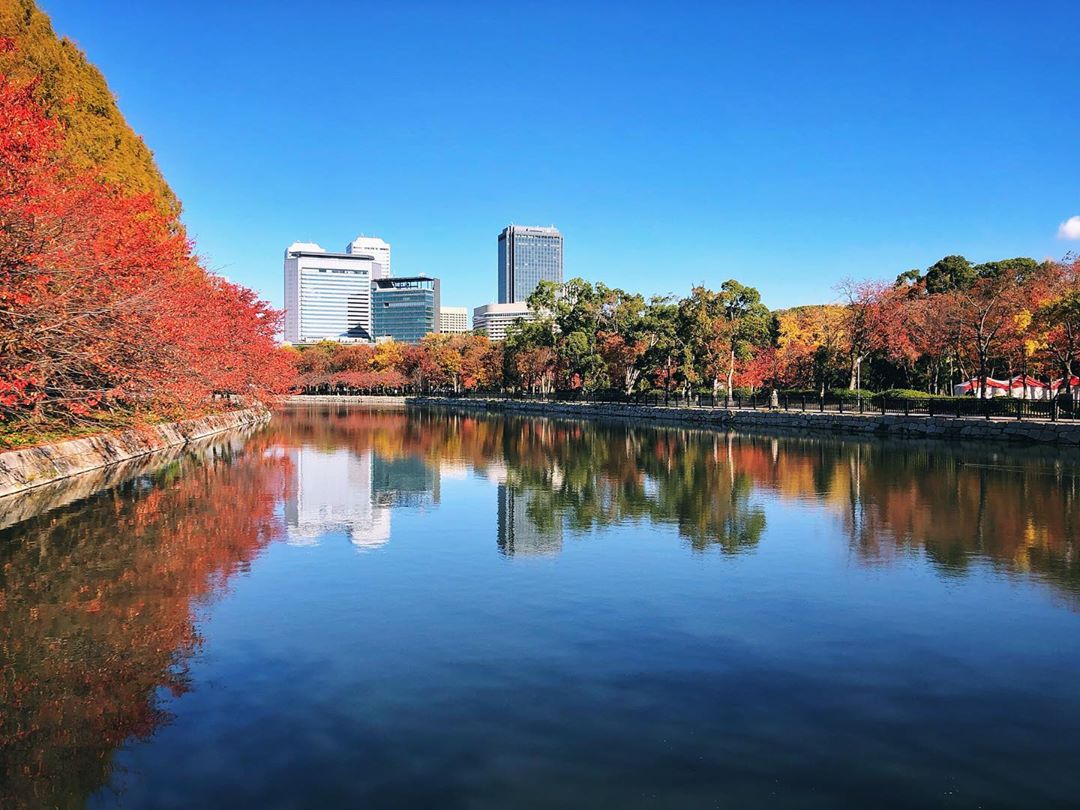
(376, 248)
(495, 319)
(528, 256)
(327, 295)
(454, 320)
(405, 309)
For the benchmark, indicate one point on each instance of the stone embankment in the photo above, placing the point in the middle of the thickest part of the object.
(25, 469)
(923, 427)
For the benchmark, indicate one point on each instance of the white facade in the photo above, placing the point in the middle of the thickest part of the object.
(327, 295)
(376, 248)
(453, 319)
(495, 319)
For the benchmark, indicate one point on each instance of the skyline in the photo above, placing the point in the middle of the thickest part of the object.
(788, 151)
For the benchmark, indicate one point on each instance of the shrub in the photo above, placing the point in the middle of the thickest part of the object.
(846, 394)
(908, 393)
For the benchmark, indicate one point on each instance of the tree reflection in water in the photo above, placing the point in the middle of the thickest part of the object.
(96, 612)
(98, 597)
(1011, 506)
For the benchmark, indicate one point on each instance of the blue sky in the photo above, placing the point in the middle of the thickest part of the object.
(787, 145)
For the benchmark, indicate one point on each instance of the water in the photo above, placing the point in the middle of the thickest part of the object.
(355, 608)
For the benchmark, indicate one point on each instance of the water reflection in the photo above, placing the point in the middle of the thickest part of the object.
(96, 609)
(100, 587)
(330, 491)
(1012, 506)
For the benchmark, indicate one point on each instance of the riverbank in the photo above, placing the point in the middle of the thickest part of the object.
(32, 467)
(925, 427)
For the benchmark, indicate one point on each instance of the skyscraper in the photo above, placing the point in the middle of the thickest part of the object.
(327, 295)
(376, 248)
(528, 256)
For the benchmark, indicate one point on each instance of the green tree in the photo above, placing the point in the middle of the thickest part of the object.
(660, 327)
(950, 273)
(747, 323)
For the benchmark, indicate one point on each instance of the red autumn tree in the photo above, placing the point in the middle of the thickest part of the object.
(105, 311)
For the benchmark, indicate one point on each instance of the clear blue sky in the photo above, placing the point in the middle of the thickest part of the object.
(787, 144)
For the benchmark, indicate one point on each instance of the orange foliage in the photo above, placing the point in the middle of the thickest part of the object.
(105, 308)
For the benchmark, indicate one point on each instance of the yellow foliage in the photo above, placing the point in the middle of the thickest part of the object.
(73, 92)
(388, 355)
(810, 326)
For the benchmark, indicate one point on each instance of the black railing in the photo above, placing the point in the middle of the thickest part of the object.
(1060, 408)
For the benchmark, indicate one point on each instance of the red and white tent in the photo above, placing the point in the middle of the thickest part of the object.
(994, 388)
(1058, 386)
(1034, 389)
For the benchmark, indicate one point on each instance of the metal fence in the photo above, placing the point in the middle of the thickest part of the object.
(1061, 408)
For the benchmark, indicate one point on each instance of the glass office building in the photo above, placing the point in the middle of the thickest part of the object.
(528, 256)
(405, 309)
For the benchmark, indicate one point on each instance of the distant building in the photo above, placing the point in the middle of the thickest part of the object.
(454, 320)
(495, 319)
(376, 248)
(405, 309)
(528, 256)
(327, 295)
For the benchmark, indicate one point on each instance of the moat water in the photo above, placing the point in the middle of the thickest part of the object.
(352, 608)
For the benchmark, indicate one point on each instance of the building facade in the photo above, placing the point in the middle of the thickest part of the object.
(327, 295)
(527, 256)
(376, 248)
(454, 320)
(495, 319)
(405, 309)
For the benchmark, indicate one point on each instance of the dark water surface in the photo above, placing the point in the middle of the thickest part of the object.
(364, 609)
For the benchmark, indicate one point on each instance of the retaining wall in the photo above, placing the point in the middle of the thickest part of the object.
(32, 467)
(931, 427)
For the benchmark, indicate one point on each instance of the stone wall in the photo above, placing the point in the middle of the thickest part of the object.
(936, 427)
(32, 467)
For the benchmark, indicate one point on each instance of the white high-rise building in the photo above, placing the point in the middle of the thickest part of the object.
(495, 319)
(453, 320)
(376, 248)
(327, 295)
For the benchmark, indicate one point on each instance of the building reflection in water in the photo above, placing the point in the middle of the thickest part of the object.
(524, 526)
(405, 481)
(332, 492)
